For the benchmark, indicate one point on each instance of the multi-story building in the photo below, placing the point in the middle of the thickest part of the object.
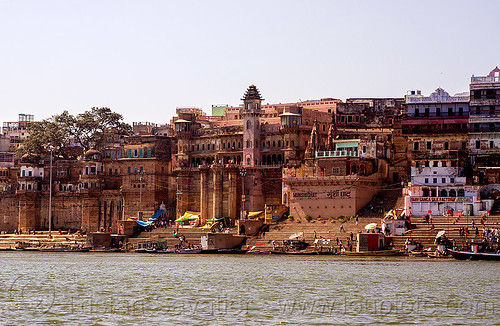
(436, 128)
(17, 131)
(229, 165)
(484, 127)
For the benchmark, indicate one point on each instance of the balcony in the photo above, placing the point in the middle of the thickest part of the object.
(327, 154)
(484, 80)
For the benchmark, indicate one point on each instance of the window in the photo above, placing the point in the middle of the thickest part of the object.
(135, 169)
(443, 180)
(415, 146)
(461, 193)
(426, 112)
(129, 153)
(149, 152)
(450, 112)
(335, 170)
(429, 145)
(446, 145)
(417, 112)
(435, 164)
(490, 94)
(249, 124)
(438, 112)
(364, 148)
(128, 170)
(135, 152)
(452, 180)
(426, 180)
(141, 153)
(434, 180)
(141, 169)
(426, 164)
(477, 95)
(464, 144)
(478, 144)
(492, 144)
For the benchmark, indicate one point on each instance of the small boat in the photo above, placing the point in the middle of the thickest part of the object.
(259, 252)
(107, 250)
(52, 249)
(377, 253)
(188, 251)
(469, 255)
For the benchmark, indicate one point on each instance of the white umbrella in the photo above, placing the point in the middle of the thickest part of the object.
(296, 235)
(371, 226)
(440, 233)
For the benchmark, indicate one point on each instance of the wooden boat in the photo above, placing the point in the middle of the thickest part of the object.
(376, 253)
(258, 252)
(469, 255)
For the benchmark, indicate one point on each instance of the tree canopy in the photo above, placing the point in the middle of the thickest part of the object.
(86, 130)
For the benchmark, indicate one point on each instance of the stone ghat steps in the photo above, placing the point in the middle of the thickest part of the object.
(325, 230)
(35, 240)
(422, 233)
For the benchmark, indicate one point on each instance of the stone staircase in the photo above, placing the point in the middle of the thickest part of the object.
(41, 239)
(422, 232)
(325, 230)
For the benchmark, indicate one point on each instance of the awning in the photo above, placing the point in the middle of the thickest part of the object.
(216, 219)
(371, 226)
(188, 215)
(256, 214)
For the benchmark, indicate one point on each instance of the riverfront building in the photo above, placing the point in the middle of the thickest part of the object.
(320, 158)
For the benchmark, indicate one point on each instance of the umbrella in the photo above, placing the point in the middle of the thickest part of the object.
(440, 233)
(296, 235)
(371, 226)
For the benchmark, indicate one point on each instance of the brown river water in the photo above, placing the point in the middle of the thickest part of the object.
(132, 289)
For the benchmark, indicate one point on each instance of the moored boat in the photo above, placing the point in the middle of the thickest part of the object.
(379, 253)
(469, 255)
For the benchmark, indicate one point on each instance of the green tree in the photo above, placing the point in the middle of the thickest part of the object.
(86, 129)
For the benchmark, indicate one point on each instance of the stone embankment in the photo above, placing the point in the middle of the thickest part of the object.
(41, 239)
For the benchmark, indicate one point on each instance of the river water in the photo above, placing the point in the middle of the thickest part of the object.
(129, 289)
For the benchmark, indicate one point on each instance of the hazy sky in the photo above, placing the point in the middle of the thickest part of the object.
(145, 58)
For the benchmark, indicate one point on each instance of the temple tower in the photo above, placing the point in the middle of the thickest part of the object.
(250, 114)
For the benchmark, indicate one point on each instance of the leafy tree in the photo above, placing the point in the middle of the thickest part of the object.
(89, 127)
(86, 130)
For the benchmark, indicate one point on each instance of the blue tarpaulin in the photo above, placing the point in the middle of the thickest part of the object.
(153, 218)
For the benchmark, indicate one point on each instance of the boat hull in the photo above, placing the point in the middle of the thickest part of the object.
(468, 255)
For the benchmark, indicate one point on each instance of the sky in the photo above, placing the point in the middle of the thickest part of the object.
(144, 58)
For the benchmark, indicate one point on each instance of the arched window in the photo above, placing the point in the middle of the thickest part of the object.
(249, 124)
(461, 193)
(453, 193)
(444, 193)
